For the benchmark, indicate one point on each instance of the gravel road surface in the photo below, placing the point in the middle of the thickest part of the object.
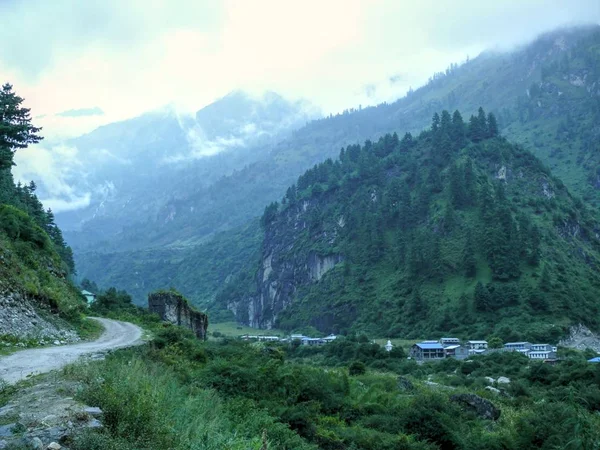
(19, 365)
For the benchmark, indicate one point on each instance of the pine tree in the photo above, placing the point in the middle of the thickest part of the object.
(492, 126)
(435, 123)
(458, 133)
(16, 130)
(545, 283)
(470, 191)
(482, 299)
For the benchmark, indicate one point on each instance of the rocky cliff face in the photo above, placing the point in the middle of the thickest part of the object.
(173, 307)
(20, 320)
(292, 256)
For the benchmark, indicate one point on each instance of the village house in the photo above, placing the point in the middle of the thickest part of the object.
(89, 296)
(522, 347)
(457, 351)
(477, 345)
(427, 351)
(541, 354)
(445, 341)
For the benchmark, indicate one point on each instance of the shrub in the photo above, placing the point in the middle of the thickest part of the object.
(357, 368)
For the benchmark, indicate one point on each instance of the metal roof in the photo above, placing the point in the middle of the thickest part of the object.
(430, 346)
(595, 360)
(516, 343)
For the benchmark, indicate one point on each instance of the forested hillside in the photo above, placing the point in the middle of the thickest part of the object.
(35, 261)
(457, 231)
(545, 97)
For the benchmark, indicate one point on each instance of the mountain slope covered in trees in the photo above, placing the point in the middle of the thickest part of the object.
(457, 231)
(544, 96)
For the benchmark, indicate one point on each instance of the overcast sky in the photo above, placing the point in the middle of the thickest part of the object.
(83, 63)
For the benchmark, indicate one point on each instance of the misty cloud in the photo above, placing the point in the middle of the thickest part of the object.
(136, 56)
(82, 112)
(53, 169)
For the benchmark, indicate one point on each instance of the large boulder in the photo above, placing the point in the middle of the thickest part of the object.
(173, 307)
(482, 407)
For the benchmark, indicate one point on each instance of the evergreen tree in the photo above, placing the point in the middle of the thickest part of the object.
(457, 187)
(492, 126)
(445, 122)
(16, 130)
(435, 123)
(458, 133)
(482, 300)
(545, 283)
(470, 191)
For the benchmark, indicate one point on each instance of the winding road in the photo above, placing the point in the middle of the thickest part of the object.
(116, 335)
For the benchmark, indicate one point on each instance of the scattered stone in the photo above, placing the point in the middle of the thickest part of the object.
(27, 320)
(6, 430)
(503, 380)
(93, 411)
(492, 389)
(54, 446)
(490, 380)
(482, 407)
(36, 444)
(3, 445)
(404, 384)
(95, 424)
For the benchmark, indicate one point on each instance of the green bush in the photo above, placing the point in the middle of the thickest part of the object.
(357, 368)
(17, 225)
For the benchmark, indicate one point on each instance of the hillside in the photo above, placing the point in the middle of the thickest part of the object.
(456, 231)
(544, 95)
(36, 295)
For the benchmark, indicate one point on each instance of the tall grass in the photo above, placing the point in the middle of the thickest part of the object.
(146, 407)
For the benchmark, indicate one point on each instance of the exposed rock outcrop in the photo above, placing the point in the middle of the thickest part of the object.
(581, 337)
(482, 407)
(174, 308)
(286, 266)
(20, 320)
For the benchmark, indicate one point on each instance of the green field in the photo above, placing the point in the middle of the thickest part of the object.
(233, 329)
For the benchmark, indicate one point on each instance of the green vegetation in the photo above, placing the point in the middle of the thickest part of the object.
(198, 271)
(34, 258)
(183, 393)
(543, 96)
(455, 231)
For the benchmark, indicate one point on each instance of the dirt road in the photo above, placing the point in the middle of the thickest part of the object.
(116, 335)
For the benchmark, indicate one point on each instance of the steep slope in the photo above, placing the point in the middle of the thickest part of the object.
(457, 231)
(37, 299)
(544, 95)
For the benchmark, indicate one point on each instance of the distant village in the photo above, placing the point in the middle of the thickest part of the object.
(454, 348)
(447, 347)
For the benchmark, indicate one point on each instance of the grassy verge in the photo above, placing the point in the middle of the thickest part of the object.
(89, 329)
